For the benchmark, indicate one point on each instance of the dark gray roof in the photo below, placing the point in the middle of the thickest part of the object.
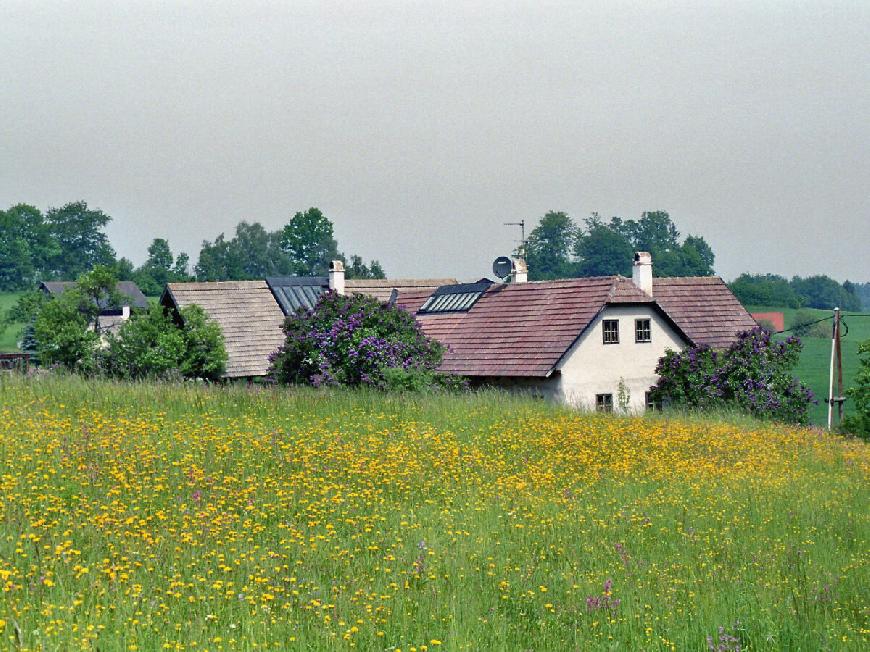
(127, 289)
(458, 297)
(294, 292)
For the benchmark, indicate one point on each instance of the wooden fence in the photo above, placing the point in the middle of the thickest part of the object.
(14, 361)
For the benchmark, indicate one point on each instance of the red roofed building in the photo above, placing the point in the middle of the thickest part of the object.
(577, 340)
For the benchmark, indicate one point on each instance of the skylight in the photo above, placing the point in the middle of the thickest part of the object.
(453, 298)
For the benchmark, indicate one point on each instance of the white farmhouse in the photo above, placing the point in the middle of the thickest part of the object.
(588, 342)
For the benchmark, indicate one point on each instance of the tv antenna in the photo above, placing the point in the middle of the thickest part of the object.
(522, 224)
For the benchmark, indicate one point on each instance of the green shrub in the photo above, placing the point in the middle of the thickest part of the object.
(65, 327)
(353, 341)
(858, 422)
(64, 334)
(806, 324)
(153, 345)
(148, 345)
(420, 380)
(767, 325)
(205, 355)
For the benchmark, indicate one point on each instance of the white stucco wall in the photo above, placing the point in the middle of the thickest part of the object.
(592, 367)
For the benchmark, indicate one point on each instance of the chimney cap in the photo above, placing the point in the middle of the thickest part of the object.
(336, 266)
(642, 257)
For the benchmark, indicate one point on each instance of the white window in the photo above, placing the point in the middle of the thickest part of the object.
(642, 332)
(611, 331)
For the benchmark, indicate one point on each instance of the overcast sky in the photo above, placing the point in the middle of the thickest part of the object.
(419, 128)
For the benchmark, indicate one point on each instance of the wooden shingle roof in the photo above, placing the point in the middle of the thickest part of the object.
(704, 307)
(248, 314)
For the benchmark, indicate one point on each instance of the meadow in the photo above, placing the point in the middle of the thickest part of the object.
(184, 517)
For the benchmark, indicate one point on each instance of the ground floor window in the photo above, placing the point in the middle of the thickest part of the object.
(652, 404)
(604, 402)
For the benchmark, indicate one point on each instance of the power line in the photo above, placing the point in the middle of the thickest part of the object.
(806, 325)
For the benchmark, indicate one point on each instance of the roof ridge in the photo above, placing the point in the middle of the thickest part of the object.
(688, 278)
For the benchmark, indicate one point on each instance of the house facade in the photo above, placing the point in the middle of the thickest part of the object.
(619, 349)
(589, 342)
(592, 343)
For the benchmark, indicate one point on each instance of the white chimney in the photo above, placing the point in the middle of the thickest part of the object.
(519, 270)
(125, 312)
(641, 272)
(336, 276)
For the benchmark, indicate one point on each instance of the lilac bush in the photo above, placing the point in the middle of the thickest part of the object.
(353, 341)
(753, 375)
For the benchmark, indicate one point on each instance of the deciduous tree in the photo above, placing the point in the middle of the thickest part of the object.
(309, 242)
(82, 242)
(549, 247)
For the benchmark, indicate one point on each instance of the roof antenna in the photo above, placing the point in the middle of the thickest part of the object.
(521, 250)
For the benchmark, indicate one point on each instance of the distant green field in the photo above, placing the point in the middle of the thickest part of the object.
(815, 361)
(9, 336)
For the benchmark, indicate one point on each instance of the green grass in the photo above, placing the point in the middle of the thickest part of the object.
(9, 336)
(814, 366)
(186, 517)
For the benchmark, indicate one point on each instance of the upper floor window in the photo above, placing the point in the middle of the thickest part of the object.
(604, 402)
(642, 330)
(611, 331)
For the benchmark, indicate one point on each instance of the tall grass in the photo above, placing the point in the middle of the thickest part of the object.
(149, 516)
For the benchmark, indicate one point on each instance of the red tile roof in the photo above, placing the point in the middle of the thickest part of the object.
(525, 329)
(704, 307)
(520, 329)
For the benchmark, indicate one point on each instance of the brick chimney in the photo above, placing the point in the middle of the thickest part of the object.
(519, 270)
(641, 272)
(336, 276)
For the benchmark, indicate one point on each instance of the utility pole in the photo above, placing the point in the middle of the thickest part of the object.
(836, 358)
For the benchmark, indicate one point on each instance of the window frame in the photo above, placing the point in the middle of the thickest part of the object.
(651, 405)
(604, 403)
(637, 330)
(604, 332)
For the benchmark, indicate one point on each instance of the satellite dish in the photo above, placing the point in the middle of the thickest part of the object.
(502, 267)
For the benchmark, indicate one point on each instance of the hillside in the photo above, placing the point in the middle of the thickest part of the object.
(10, 335)
(183, 517)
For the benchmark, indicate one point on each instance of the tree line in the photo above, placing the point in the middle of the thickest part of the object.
(65, 242)
(811, 292)
(560, 248)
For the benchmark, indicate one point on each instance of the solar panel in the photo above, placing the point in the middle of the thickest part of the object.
(454, 298)
(295, 292)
